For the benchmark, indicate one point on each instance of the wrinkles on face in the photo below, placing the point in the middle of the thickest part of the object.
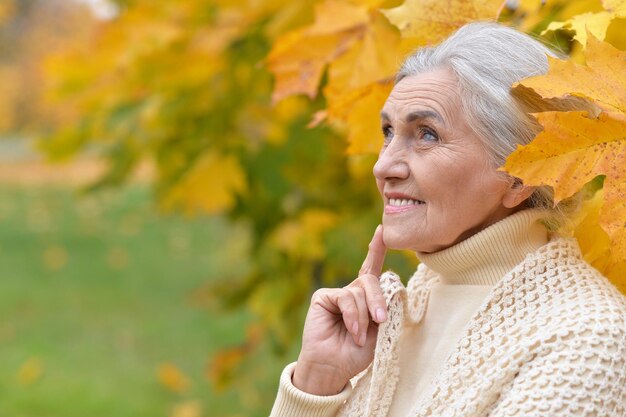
(432, 93)
(432, 154)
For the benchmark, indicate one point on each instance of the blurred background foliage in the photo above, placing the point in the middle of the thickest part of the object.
(204, 196)
(177, 90)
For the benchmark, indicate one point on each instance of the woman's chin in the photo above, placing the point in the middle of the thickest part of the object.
(397, 241)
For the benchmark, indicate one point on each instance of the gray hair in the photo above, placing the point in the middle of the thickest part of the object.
(487, 59)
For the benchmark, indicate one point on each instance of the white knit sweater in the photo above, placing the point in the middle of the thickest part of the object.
(548, 340)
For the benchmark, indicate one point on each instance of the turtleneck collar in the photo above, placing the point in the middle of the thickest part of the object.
(484, 258)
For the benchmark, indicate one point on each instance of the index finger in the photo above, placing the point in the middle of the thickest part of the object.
(373, 263)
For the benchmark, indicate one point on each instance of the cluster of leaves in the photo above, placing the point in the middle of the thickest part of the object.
(183, 86)
(213, 94)
(577, 148)
(361, 53)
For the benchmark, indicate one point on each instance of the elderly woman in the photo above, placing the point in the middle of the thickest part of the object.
(501, 318)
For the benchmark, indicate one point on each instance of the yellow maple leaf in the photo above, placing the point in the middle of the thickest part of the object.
(531, 15)
(360, 81)
(364, 131)
(376, 56)
(571, 151)
(616, 34)
(362, 53)
(432, 20)
(602, 80)
(596, 23)
(299, 70)
(587, 18)
(209, 186)
(595, 243)
(172, 378)
(298, 58)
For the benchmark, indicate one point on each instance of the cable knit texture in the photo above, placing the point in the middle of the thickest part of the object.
(549, 340)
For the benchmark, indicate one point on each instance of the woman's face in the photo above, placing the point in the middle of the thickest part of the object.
(433, 172)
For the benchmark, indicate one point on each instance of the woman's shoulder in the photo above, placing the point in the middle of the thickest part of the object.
(571, 296)
(559, 267)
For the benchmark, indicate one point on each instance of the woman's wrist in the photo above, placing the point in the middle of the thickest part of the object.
(317, 379)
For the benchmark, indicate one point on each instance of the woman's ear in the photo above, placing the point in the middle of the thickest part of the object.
(517, 193)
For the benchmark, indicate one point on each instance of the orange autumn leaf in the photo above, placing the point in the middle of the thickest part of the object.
(602, 80)
(298, 70)
(367, 52)
(359, 111)
(376, 57)
(225, 365)
(571, 151)
(298, 58)
(362, 51)
(432, 20)
(222, 368)
(360, 81)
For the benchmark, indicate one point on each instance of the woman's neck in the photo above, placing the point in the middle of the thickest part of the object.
(485, 257)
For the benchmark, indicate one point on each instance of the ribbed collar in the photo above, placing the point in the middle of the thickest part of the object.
(484, 258)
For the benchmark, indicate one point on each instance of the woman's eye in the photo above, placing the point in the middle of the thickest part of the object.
(387, 133)
(428, 135)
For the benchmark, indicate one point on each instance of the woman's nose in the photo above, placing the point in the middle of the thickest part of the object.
(391, 163)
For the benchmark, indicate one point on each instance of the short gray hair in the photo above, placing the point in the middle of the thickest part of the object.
(487, 59)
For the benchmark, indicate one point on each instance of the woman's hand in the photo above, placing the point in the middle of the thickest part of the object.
(341, 328)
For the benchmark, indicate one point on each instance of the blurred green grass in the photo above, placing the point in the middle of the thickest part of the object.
(97, 291)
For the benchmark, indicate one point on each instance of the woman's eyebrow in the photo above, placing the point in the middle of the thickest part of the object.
(413, 116)
(423, 114)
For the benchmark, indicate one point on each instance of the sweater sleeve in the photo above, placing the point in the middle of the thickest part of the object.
(291, 402)
(585, 378)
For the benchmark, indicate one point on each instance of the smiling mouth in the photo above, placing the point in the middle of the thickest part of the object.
(401, 202)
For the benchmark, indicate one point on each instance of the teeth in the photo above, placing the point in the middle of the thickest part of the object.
(399, 202)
